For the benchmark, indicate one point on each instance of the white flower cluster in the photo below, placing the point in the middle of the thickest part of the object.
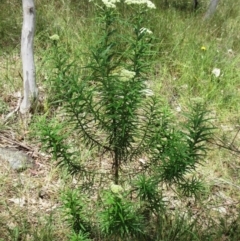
(145, 30)
(124, 74)
(216, 72)
(115, 188)
(139, 2)
(147, 92)
(110, 3)
(54, 37)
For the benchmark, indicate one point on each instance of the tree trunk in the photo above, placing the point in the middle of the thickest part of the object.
(30, 91)
(195, 4)
(211, 9)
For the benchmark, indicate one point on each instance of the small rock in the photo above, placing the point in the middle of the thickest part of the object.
(18, 160)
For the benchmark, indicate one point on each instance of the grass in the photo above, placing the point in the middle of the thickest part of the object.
(182, 73)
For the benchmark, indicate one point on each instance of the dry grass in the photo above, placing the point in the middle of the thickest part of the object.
(30, 199)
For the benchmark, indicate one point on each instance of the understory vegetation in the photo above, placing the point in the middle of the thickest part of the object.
(136, 134)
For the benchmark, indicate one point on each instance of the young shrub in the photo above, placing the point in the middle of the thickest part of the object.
(119, 218)
(177, 152)
(75, 212)
(150, 197)
(52, 135)
(107, 103)
(111, 109)
(81, 236)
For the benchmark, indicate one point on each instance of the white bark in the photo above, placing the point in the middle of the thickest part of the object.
(195, 4)
(211, 9)
(30, 91)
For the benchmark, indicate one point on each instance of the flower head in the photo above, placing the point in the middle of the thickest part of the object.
(147, 92)
(124, 74)
(203, 48)
(149, 4)
(116, 188)
(216, 72)
(145, 30)
(54, 37)
(110, 3)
